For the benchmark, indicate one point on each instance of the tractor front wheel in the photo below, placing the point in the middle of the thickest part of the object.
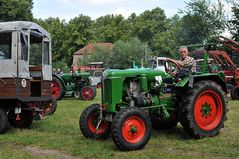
(87, 93)
(131, 129)
(57, 88)
(204, 110)
(90, 120)
(3, 121)
(50, 107)
(24, 120)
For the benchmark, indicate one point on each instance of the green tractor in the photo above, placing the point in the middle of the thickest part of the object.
(78, 84)
(135, 100)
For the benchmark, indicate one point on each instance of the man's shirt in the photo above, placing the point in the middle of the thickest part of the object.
(189, 62)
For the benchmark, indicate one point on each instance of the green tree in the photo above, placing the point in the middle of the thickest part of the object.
(110, 28)
(101, 54)
(147, 24)
(235, 22)
(78, 33)
(124, 53)
(12, 10)
(202, 19)
(56, 28)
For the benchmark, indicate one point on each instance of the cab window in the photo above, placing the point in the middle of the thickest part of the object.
(5, 46)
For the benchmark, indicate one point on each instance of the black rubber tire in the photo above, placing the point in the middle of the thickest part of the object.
(26, 118)
(60, 85)
(188, 119)
(84, 123)
(235, 93)
(51, 107)
(92, 96)
(160, 124)
(117, 125)
(3, 121)
(99, 85)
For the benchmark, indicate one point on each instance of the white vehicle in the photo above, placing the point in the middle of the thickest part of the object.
(95, 79)
(157, 63)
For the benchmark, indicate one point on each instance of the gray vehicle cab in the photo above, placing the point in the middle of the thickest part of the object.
(25, 72)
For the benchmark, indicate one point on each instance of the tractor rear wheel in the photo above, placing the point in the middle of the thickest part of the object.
(24, 121)
(89, 120)
(51, 107)
(99, 85)
(87, 93)
(235, 92)
(131, 129)
(3, 121)
(57, 88)
(204, 110)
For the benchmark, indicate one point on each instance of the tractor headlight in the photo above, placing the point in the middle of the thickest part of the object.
(158, 80)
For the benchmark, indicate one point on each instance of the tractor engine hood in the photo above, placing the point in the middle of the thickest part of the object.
(150, 73)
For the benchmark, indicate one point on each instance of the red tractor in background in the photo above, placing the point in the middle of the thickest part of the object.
(231, 70)
(227, 64)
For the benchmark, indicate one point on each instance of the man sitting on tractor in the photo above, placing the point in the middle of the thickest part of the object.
(184, 67)
(185, 60)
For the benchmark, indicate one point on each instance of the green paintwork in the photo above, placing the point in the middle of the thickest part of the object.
(139, 87)
(211, 76)
(112, 94)
(206, 109)
(205, 63)
(115, 84)
(68, 76)
(183, 82)
(133, 129)
(150, 73)
(67, 80)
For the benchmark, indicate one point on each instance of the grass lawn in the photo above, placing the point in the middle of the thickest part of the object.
(61, 133)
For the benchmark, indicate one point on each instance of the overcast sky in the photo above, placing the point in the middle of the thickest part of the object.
(68, 9)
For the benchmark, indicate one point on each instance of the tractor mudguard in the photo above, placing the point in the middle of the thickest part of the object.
(216, 77)
(62, 81)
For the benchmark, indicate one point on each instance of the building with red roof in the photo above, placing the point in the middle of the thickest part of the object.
(88, 50)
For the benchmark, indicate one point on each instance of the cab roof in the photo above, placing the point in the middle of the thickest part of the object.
(22, 25)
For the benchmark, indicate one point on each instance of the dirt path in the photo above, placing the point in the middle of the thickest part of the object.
(37, 151)
(47, 152)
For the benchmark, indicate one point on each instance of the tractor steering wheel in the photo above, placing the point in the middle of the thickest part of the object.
(172, 67)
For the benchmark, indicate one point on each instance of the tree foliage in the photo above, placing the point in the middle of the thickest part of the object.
(12, 10)
(235, 21)
(123, 54)
(134, 37)
(56, 28)
(202, 19)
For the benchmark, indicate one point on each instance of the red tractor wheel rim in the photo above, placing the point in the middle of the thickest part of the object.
(55, 89)
(208, 110)
(87, 93)
(92, 123)
(133, 129)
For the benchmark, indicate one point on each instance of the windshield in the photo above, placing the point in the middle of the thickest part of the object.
(155, 65)
(5, 45)
(35, 50)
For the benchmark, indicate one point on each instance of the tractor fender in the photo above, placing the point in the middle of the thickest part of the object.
(62, 81)
(219, 80)
(189, 81)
